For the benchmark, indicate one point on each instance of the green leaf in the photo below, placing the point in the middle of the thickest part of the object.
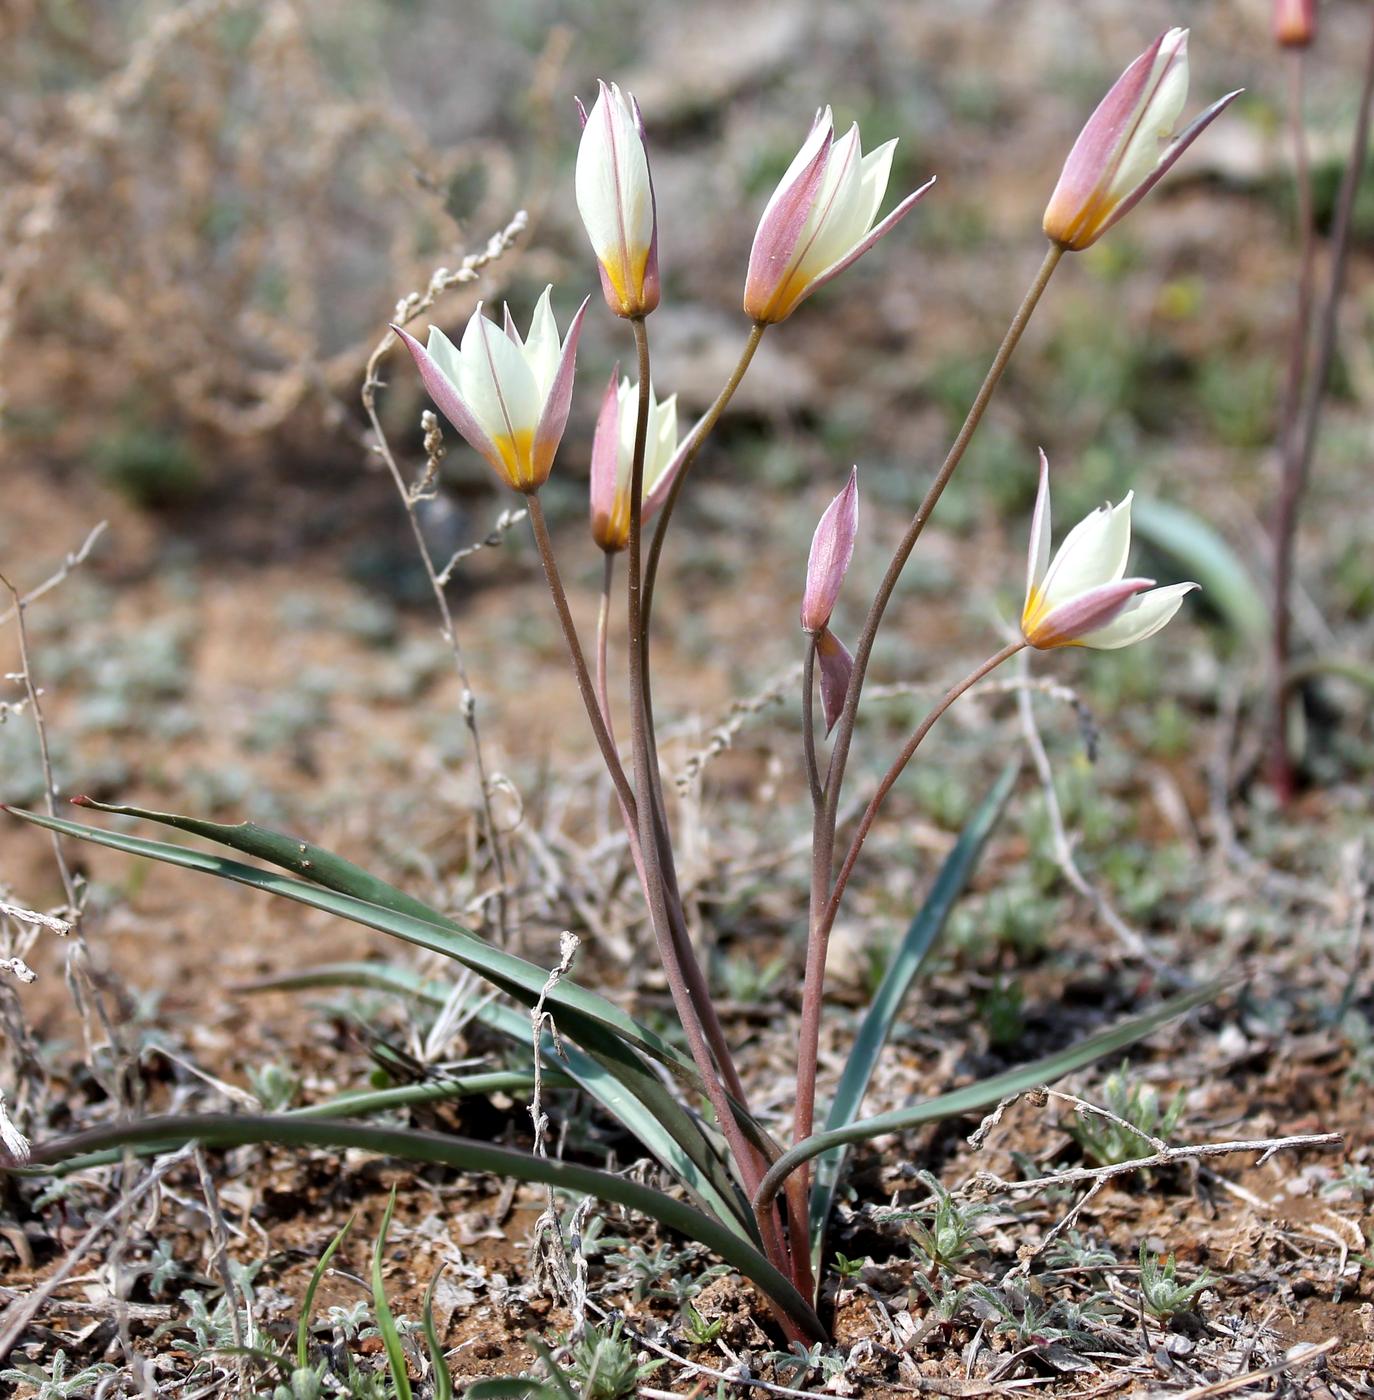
(443, 1381)
(460, 1154)
(308, 1302)
(598, 1025)
(986, 1092)
(386, 1324)
(1202, 554)
(635, 1098)
(906, 962)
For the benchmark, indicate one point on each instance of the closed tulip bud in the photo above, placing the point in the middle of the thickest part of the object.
(819, 220)
(1127, 145)
(615, 196)
(508, 397)
(1080, 598)
(1295, 22)
(832, 547)
(613, 448)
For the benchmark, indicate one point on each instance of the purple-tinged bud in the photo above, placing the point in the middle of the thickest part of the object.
(1295, 22)
(819, 219)
(613, 460)
(1127, 145)
(832, 547)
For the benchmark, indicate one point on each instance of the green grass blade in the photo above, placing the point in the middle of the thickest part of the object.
(443, 1381)
(882, 1012)
(460, 1154)
(1202, 554)
(361, 1103)
(987, 1092)
(308, 1302)
(386, 1324)
(509, 1388)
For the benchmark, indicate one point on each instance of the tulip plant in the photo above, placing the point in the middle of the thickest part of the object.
(753, 1195)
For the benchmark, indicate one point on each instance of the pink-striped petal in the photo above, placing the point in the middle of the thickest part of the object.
(1065, 625)
(836, 668)
(446, 397)
(775, 243)
(1176, 148)
(554, 418)
(1088, 167)
(605, 459)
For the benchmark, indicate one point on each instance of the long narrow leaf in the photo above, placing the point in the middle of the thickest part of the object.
(302, 858)
(906, 962)
(386, 1323)
(521, 979)
(443, 1380)
(627, 1090)
(308, 1302)
(986, 1092)
(461, 1154)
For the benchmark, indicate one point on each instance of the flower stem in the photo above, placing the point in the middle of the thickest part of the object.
(579, 664)
(700, 433)
(813, 772)
(650, 830)
(823, 834)
(1302, 441)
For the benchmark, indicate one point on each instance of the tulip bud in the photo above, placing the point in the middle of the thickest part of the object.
(1127, 145)
(508, 397)
(1295, 22)
(1080, 597)
(613, 446)
(819, 220)
(832, 547)
(615, 196)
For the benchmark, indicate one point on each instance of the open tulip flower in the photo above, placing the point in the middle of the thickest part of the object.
(1081, 598)
(613, 448)
(508, 397)
(615, 196)
(1127, 145)
(819, 220)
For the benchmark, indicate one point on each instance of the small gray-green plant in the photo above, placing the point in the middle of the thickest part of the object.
(700, 1330)
(849, 1268)
(273, 1085)
(55, 1383)
(1109, 1143)
(945, 1233)
(605, 1366)
(1160, 1287)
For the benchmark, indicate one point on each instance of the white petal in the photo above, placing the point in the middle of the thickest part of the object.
(1168, 87)
(824, 125)
(1094, 552)
(662, 442)
(611, 181)
(1142, 617)
(827, 236)
(543, 348)
(495, 381)
(874, 174)
(1038, 559)
(444, 353)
